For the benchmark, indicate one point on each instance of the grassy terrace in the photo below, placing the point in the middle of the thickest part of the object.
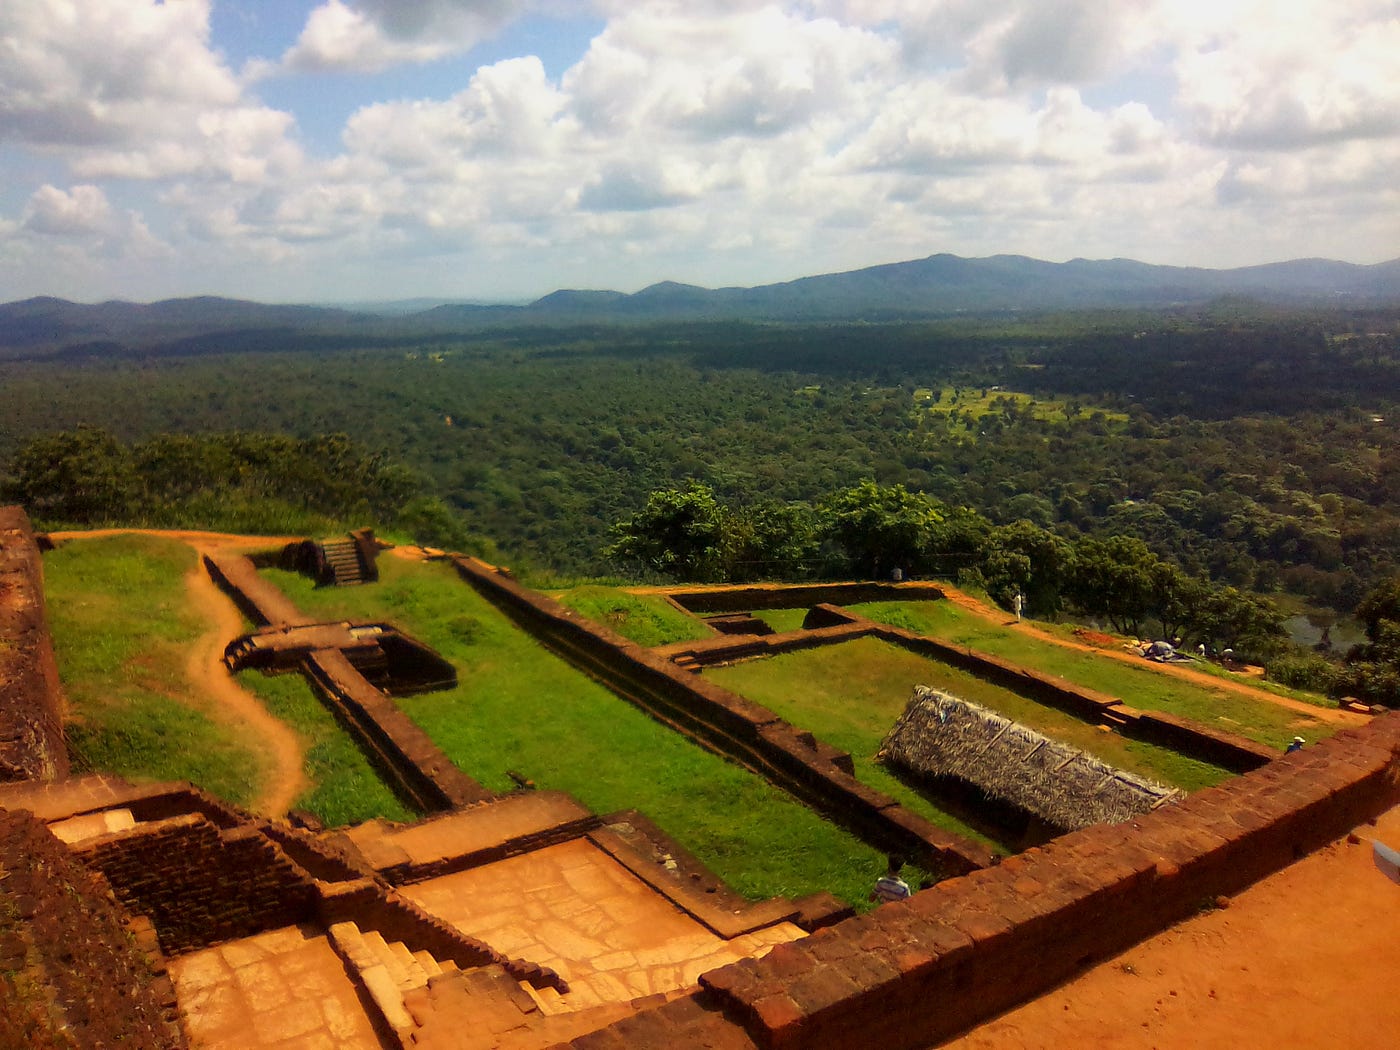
(1138, 686)
(647, 619)
(122, 626)
(518, 707)
(851, 695)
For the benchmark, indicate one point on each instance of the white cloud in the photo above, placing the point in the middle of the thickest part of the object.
(719, 141)
(131, 89)
(370, 35)
(1317, 74)
(83, 210)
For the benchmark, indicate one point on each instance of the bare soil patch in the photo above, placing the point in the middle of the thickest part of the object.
(1306, 957)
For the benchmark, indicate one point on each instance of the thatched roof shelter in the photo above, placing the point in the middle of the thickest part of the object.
(940, 736)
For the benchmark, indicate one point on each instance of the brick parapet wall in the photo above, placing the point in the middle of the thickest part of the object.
(31, 702)
(728, 724)
(70, 974)
(915, 973)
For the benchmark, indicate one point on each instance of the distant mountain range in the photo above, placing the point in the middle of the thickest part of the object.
(940, 285)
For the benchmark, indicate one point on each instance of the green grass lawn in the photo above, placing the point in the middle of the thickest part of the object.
(122, 626)
(346, 788)
(850, 695)
(518, 707)
(647, 619)
(1139, 687)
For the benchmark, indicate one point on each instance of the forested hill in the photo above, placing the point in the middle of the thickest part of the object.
(940, 285)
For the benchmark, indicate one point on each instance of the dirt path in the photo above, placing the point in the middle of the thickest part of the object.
(1305, 958)
(207, 675)
(1200, 678)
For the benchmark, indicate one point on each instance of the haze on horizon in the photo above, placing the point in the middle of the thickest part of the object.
(318, 150)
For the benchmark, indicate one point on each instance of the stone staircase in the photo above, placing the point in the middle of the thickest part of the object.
(426, 1002)
(344, 561)
(387, 970)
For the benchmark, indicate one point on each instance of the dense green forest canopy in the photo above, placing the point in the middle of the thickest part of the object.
(1248, 446)
(1252, 447)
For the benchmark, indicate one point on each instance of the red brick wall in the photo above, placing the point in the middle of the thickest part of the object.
(912, 974)
(31, 701)
(200, 884)
(69, 973)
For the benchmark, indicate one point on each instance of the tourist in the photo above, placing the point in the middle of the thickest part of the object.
(1297, 745)
(890, 887)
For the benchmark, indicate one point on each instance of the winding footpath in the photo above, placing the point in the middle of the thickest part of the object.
(209, 678)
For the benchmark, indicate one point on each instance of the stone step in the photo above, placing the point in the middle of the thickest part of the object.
(388, 970)
(397, 960)
(548, 999)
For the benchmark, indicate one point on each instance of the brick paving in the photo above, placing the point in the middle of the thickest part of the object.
(281, 990)
(574, 908)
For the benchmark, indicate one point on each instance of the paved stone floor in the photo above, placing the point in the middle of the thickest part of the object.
(282, 989)
(574, 908)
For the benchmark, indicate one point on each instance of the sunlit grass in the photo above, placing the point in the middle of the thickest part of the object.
(122, 626)
(1139, 687)
(647, 619)
(519, 708)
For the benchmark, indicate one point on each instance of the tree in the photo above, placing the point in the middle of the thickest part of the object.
(881, 527)
(81, 476)
(1022, 557)
(682, 533)
(1112, 578)
(775, 541)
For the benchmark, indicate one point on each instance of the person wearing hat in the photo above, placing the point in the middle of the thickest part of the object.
(1297, 745)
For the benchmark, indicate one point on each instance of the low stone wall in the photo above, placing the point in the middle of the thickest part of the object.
(31, 702)
(708, 652)
(413, 764)
(729, 725)
(260, 601)
(200, 884)
(912, 974)
(70, 975)
(407, 754)
(1236, 753)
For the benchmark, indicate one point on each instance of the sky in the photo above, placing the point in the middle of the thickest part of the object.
(495, 150)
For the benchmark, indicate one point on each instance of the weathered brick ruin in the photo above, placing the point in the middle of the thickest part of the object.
(31, 716)
(430, 935)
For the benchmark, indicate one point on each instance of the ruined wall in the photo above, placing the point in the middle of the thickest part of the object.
(912, 974)
(200, 884)
(31, 699)
(69, 972)
(730, 725)
(408, 758)
(401, 750)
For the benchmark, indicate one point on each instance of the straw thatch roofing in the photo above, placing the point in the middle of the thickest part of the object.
(941, 736)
